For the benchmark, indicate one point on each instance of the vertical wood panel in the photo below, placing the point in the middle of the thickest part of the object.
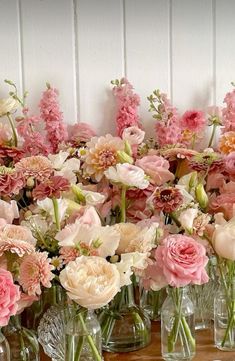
(10, 59)
(192, 50)
(100, 59)
(147, 50)
(48, 51)
(225, 47)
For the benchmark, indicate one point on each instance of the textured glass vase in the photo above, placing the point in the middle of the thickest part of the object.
(22, 341)
(83, 340)
(224, 316)
(4, 348)
(125, 327)
(177, 326)
(151, 302)
(55, 295)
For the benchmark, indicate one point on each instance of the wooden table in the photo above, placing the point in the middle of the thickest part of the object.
(205, 349)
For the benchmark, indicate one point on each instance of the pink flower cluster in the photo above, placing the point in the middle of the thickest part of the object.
(127, 103)
(229, 112)
(53, 118)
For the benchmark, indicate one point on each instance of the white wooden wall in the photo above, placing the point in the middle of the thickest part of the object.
(184, 47)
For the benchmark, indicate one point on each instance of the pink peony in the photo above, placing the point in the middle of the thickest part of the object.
(35, 270)
(81, 132)
(182, 261)
(157, 168)
(9, 295)
(193, 120)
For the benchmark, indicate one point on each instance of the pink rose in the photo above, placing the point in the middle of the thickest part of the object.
(9, 295)
(157, 168)
(230, 163)
(182, 261)
(81, 132)
(193, 120)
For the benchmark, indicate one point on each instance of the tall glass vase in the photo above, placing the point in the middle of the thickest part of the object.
(83, 340)
(224, 316)
(4, 348)
(22, 341)
(177, 326)
(125, 327)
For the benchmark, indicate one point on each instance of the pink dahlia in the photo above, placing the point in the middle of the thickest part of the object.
(167, 199)
(51, 188)
(193, 120)
(38, 167)
(9, 295)
(53, 118)
(35, 270)
(11, 181)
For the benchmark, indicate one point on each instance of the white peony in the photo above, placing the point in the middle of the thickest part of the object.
(92, 282)
(128, 175)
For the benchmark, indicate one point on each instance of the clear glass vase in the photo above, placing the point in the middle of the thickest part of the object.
(151, 302)
(224, 316)
(22, 341)
(4, 348)
(177, 326)
(125, 326)
(55, 295)
(83, 341)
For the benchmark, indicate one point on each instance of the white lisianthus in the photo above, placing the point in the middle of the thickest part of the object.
(47, 206)
(128, 262)
(104, 239)
(134, 135)
(224, 240)
(128, 175)
(92, 282)
(187, 217)
(9, 211)
(92, 198)
(64, 167)
(7, 105)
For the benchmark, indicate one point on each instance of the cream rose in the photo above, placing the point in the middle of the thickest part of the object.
(224, 240)
(92, 282)
(7, 105)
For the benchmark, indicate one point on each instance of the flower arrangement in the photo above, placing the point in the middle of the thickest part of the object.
(90, 212)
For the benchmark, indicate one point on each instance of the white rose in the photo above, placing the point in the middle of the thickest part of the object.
(224, 240)
(7, 105)
(133, 135)
(92, 282)
(128, 175)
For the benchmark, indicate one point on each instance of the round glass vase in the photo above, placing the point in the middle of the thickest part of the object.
(55, 295)
(4, 348)
(224, 316)
(125, 326)
(22, 341)
(151, 302)
(83, 341)
(177, 326)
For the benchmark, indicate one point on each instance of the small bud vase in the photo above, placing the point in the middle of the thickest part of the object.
(4, 348)
(125, 327)
(151, 302)
(177, 326)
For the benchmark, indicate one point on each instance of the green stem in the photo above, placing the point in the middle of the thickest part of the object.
(123, 204)
(56, 213)
(90, 339)
(193, 140)
(13, 129)
(212, 135)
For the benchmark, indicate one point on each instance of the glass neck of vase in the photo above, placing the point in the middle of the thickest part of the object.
(15, 322)
(127, 294)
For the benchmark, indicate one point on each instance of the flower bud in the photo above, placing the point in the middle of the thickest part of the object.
(193, 180)
(30, 182)
(127, 148)
(201, 196)
(123, 157)
(72, 206)
(78, 193)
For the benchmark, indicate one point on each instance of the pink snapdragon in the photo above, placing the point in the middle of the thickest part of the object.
(127, 103)
(53, 118)
(229, 112)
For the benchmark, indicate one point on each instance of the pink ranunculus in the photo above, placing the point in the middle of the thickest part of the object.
(182, 261)
(157, 168)
(193, 120)
(9, 295)
(81, 132)
(230, 163)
